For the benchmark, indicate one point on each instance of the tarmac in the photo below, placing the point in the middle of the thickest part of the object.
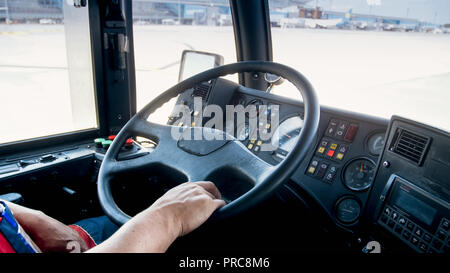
(376, 73)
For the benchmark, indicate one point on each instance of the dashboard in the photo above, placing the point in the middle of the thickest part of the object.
(384, 179)
(350, 172)
(339, 169)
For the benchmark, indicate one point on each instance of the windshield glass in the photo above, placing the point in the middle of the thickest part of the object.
(162, 30)
(376, 57)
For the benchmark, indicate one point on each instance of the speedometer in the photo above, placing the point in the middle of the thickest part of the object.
(359, 174)
(286, 135)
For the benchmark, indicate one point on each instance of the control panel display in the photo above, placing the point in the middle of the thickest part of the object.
(415, 216)
(414, 206)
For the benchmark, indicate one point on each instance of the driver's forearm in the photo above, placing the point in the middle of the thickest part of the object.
(25, 216)
(150, 231)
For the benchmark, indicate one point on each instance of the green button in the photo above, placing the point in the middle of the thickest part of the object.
(98, 142)
(106, 143)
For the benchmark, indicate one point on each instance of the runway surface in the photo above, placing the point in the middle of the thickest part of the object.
(377, 73)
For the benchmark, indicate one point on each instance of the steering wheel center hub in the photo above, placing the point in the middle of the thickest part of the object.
(202, 141)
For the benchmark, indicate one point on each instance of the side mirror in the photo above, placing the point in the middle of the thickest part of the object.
(194, 62)
(272, 80)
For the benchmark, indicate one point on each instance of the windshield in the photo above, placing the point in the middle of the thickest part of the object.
(162, 30)
(376, 57)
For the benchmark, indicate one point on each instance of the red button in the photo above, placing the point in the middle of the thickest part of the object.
(112, 137)
(351, 132)
(129, 142)
(330, 153)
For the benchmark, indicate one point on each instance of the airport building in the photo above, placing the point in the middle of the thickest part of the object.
(31, 10)
(218, 13)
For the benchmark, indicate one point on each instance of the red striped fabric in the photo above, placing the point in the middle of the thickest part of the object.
(5, 247)
(84, 235)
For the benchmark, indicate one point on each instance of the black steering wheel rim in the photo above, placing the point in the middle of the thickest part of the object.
(278, 176)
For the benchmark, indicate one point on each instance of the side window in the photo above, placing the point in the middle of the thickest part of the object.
(46, 79)
(163, 30)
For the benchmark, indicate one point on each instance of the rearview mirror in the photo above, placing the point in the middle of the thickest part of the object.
(194, 62)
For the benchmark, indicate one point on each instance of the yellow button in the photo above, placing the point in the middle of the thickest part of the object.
(196, 113)
(268, 126)
(180, 124)
(259, 143)
(252, 141)
(311, 170)
(321, 150)
(250, 146)
(333, 146)
(340, 156)
(193, 124)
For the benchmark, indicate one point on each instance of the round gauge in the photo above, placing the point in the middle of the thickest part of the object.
(242, 132)
(256, 103)
(376, 143)
(359, 174)
(348, 210)
(287, 133)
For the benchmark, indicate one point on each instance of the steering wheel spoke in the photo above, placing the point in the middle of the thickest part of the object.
(236, 157)
(128, 165)
(154, 131)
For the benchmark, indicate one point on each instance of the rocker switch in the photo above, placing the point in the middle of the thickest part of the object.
(47, 158)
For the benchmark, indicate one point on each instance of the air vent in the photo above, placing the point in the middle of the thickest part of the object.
(202, 90)
(410, 145)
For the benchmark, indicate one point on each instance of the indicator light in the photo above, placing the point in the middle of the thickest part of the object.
(98, 142)
(340, 156)
(106, 144)
(129, 142)
(330, 153)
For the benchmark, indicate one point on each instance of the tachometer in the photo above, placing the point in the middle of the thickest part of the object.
(359, 174)
(286, 135)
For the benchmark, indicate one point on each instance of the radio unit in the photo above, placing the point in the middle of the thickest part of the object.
(415, 216)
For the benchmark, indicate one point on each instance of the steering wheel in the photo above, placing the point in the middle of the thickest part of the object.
(197, 159)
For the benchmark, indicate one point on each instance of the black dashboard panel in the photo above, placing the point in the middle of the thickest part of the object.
(331, 191)
(411, 194)
(344, 139)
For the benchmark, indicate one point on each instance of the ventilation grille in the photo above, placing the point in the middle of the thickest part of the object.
(202, 90)
(410, 145)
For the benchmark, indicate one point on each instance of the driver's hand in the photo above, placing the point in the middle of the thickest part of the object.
(178, 212)
(191, 204)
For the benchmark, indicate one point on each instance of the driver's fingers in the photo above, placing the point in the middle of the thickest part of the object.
(219, 203)
(211, 188)
(203, 191)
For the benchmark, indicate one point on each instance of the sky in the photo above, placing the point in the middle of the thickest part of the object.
(433, 11)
